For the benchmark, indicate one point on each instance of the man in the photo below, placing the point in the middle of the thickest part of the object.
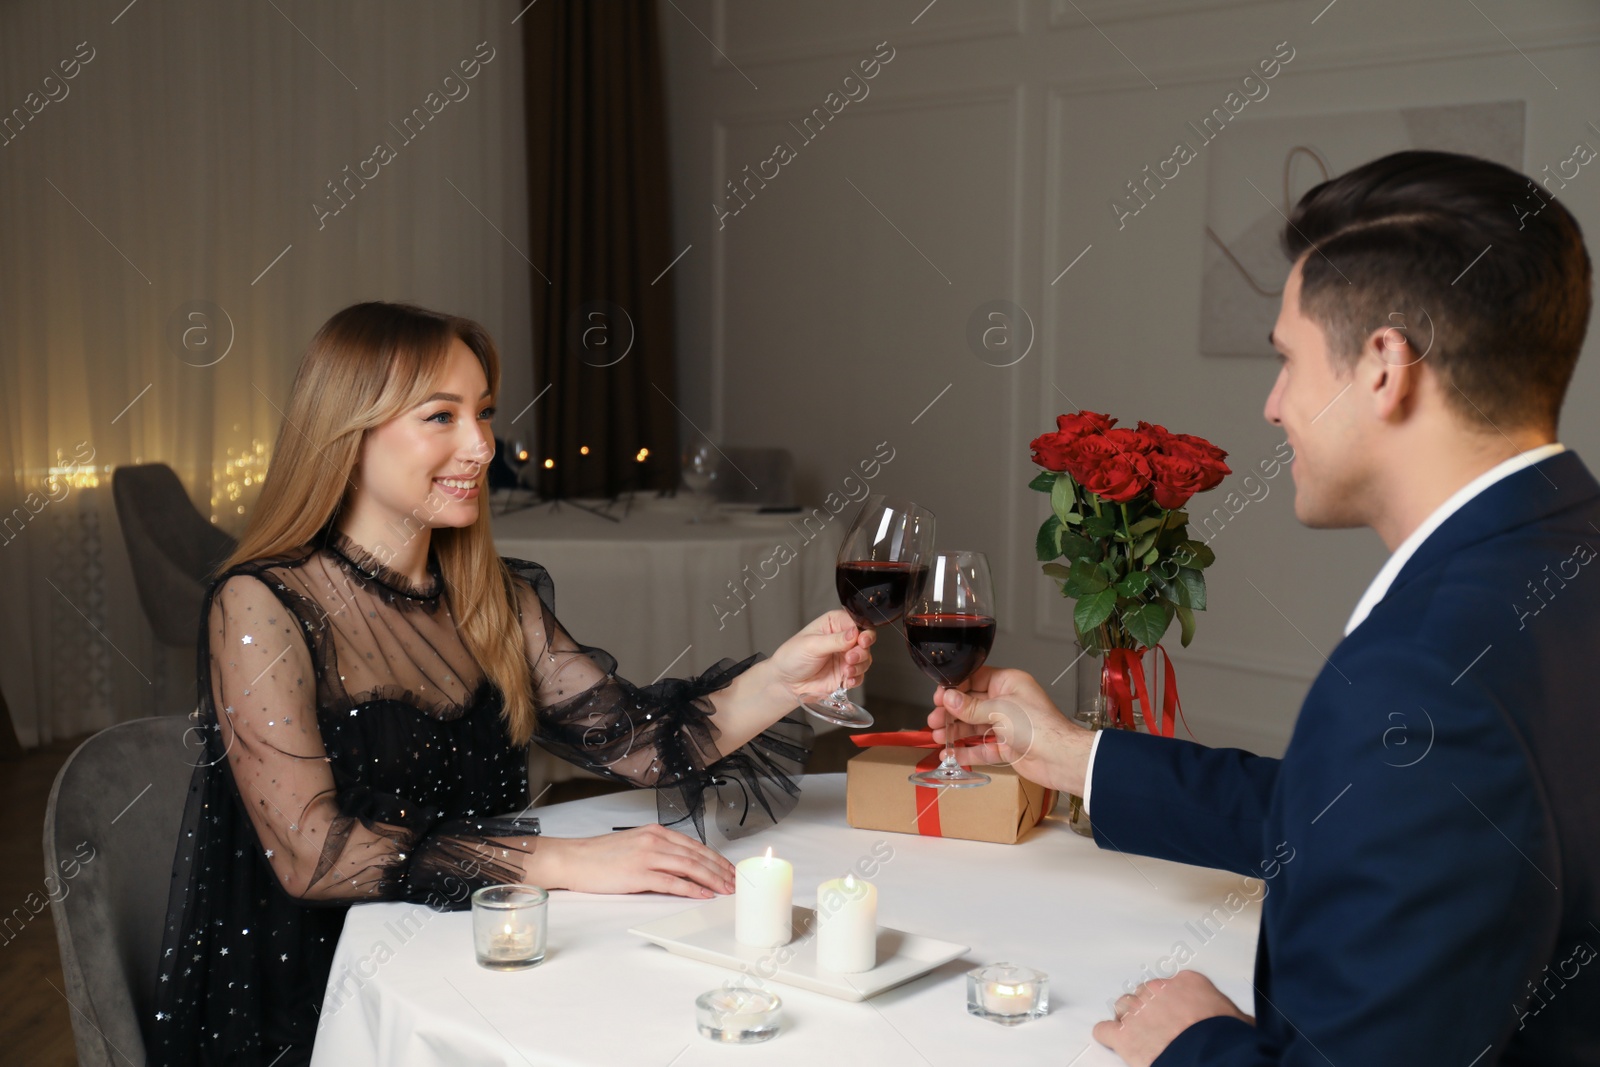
(1439, 795)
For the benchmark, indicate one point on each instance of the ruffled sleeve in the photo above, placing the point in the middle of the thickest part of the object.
(661, 735)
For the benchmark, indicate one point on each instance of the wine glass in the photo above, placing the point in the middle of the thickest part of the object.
(950, 627)
(516, 457)
(701, 463)
(880, 565)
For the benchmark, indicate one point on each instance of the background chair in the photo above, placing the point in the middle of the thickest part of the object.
(172, 547)
(119, 801)
(771, 469)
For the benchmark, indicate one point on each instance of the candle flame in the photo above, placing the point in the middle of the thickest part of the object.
(1006, 990)
(509, 930)
(768, 856)
(849, 882)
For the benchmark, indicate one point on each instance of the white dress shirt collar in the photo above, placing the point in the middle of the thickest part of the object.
(1408, 548)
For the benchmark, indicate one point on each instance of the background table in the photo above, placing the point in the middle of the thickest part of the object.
(654, 589)
(406, 988)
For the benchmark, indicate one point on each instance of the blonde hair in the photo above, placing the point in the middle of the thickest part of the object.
(368, 364)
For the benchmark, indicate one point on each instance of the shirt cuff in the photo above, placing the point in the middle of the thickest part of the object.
(1088, 775)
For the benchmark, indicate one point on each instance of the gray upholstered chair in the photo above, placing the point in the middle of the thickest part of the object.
(110, 832)
(172, 547)
(771, 469)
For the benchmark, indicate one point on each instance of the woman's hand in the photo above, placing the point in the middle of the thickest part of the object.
(830, 653)
(646, 859)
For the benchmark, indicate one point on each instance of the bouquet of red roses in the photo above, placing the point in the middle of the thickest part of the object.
(1117, 539)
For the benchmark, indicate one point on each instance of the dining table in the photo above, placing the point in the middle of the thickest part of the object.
(406, 987)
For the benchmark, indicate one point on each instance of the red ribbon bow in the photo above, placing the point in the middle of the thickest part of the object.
(927, 795)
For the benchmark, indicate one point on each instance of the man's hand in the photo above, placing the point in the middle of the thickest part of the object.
(1020, 727)
(1159, 1010)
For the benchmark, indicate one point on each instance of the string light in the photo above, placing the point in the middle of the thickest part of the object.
(549, 464)
(583, 450)
(643, 454)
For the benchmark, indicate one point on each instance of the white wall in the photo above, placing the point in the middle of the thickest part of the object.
(828, 313)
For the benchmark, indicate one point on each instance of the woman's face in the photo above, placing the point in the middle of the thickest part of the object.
(425, 467)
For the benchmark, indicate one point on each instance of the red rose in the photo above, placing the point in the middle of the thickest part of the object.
(1177, 478)
(1139, 441)
(1084, 423)
(1052, 451)
(1087, 453)
(1117, 477)
(1202, 452)
(1153, 429)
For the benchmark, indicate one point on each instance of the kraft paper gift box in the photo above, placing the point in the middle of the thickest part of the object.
(878, 796)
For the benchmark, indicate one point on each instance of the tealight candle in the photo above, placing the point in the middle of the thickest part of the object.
(509, 926)
(738, 1016)
(1007, 994)
(847, 925)
(763, 901)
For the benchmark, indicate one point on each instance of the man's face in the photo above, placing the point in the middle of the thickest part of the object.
(1311, 402)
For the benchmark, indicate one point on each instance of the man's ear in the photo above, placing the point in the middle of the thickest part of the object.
(1390, 372)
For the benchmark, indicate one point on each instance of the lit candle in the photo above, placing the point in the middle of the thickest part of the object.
(513, 941)
(1009, 998)
(763, 900)
(847, 925)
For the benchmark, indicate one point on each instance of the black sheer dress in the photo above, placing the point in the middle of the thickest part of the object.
(350, 749)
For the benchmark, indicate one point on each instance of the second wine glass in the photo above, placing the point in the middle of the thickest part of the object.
(950, 626)
(880, 565)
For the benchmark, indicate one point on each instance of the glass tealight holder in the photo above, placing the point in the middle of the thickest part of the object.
(1007, 994)
(738, 1015)
(509, 926)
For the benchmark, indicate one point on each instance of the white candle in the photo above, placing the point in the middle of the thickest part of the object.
(847, 925)
(1008, 998)
(763, 899)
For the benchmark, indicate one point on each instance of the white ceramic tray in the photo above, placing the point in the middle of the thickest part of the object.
(705, 933)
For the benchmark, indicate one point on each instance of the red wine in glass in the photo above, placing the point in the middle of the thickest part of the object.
(879, 567)
(874, 592)
(950, 625)
(949, 648)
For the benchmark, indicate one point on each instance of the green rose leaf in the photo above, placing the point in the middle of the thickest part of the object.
(1146, 624)
(1134, 584)
(1062, 500)
(1186, 620)
(1099, 525)
(1047, 544)
(1194, 584)
(1074, 545)
(1203, 556)
(1093, 609)
(1144, 526)
(1085, 578)
(1044, 481)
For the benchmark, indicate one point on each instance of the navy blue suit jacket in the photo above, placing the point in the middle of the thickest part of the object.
(1430, 841)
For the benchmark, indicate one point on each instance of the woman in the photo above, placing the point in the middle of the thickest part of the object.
(371, 674)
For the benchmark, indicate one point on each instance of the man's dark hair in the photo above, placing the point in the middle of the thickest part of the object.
(1484, 273)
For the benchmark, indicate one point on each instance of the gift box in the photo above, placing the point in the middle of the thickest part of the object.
(879, 796)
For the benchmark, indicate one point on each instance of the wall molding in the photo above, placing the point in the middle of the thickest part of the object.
(1063, 14)
(1340, 59)
(1000, 23)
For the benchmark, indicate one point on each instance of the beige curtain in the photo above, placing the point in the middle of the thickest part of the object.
(176, 219)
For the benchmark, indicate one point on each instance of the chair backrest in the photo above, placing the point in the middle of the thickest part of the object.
(770, 469)
(110, 834)
(172, 548)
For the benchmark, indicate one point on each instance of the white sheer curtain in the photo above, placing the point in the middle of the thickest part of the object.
(176, 172)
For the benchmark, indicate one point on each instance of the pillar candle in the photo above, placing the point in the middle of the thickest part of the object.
(763, 898)
(847, 925)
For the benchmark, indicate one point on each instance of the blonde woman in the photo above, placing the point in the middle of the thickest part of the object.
(371, 674)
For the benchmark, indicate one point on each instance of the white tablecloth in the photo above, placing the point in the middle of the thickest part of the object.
(406, 989)
(653, 589)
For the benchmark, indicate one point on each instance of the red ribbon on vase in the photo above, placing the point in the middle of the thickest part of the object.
(927, 795)
(1126, 679)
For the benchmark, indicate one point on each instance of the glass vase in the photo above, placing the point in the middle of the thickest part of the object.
(1093, 712)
